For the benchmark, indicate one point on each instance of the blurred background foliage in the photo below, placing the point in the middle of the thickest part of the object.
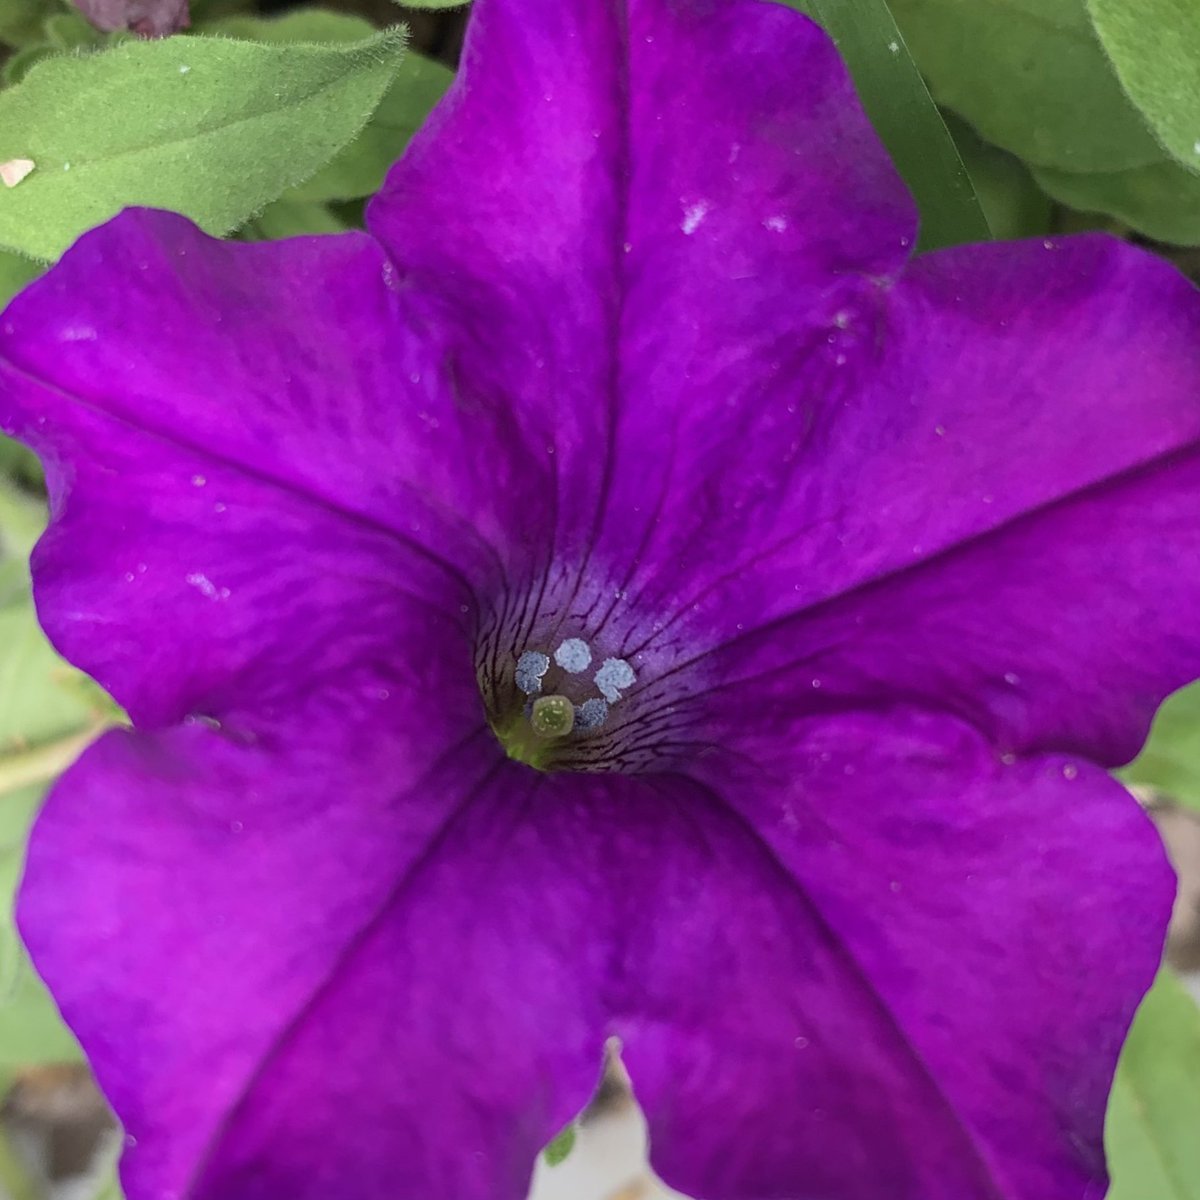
(1008, 118)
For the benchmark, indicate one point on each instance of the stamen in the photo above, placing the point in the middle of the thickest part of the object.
(552, 716)
(573, 656)
(591, 714)
(531, 666)
(614, 674)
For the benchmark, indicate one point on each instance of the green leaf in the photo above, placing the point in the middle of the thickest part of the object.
(20, 63)
(560, 1148)
(419, 84)
(212, 128)
(360, 168)
(70, 30)
(317, 25)
(1154, 46)
(1161, 200)
(22, 518)
(48, 713)
(31, 1030)
(1032, 77)
(15, 272)
(1154, 1111)
(905, 117)
(48, 705)
(1013, 203)
(21, 20)
(1170, 760)
(436, 5)
(291, 218)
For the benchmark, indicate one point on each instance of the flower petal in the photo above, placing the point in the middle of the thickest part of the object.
(901, 968)
(1015, 505)
(627, 205)
(250, 457)
(216, 889)
(940, 1014)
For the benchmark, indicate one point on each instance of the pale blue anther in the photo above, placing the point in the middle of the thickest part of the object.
(531, 666)
(591, 714)
(573, 656)
(614, 674)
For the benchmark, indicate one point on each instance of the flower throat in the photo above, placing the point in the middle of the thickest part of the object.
(548, 713)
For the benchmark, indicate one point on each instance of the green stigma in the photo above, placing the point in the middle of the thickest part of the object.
(552, 716)
(532, 739)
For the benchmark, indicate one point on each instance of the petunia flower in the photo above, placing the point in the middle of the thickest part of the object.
(625, 594)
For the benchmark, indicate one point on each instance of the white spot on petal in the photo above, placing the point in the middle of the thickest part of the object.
(693, 216)
(77, 333)
(206, 587)
(776, 224)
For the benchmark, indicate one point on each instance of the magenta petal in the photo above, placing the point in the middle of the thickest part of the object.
(635, 362)
(235, 430)
(930, 984)
(877, 974)
(670, 208)
(217, 892)
(1003, 509)
(988, 383)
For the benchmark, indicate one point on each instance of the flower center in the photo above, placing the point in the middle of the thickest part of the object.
(550, 706)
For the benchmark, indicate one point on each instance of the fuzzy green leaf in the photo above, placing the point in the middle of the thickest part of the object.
(212, 128)
(419, 84)
(360, 168)
(22, 61)
(1155, 47)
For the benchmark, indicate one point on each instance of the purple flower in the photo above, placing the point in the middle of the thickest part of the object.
(850, 574)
